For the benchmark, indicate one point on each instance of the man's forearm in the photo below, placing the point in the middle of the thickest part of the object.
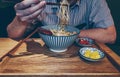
(16, 28)
(107, 35)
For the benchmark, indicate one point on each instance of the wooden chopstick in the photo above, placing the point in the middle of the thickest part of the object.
(10, 53)
(114, 58)
(48, 3)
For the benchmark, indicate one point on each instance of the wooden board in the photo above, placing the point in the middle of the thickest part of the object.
(6, 45)
(33, 59)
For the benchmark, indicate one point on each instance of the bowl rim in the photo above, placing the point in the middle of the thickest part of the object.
(61, 36)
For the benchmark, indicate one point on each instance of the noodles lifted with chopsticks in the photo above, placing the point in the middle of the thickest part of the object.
(64, 13)
(63, 16)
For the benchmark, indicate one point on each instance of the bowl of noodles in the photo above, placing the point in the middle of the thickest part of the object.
(60, 39)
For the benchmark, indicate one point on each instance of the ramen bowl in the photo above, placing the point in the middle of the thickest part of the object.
(59, 43)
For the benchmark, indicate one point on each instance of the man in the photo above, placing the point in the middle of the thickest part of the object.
(95, 13)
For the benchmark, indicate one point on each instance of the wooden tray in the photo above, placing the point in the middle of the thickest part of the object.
(31, 58)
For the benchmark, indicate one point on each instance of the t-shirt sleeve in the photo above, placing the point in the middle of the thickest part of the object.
(100, 14)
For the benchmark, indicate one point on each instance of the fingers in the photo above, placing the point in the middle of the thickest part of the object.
(25, 11)
(31, 10)
(26, 3)
(31, 16)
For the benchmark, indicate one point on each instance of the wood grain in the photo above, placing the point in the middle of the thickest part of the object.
(42, 62)
(114, 58)
(6, 45)
(14, 48)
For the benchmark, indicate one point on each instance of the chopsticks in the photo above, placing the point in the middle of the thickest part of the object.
(48, 3)
(10, 53)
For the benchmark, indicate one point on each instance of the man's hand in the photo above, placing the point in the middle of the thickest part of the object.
(28, 10)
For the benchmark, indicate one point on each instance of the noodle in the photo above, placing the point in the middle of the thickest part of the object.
(62, 32)
(64, 13)
(63, 16)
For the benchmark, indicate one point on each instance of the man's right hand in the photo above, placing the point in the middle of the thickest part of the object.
(28, 10)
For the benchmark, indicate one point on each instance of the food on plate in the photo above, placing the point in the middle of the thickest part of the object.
(84, 41)
(93, 54)
(62, 32)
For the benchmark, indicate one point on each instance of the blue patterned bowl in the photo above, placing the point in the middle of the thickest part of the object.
(59, 43)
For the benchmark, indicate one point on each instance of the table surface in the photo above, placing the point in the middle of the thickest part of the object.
(32, 57)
